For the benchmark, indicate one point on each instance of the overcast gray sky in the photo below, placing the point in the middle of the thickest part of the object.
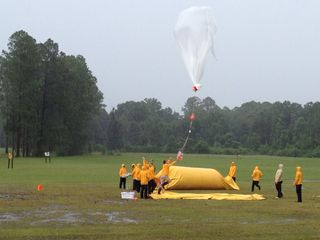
(266, 50)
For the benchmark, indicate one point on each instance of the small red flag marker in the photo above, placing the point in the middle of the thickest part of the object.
(40, 187)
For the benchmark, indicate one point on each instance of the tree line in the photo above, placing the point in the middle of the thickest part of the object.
(49, 101)
(47, 98)
(280, 128)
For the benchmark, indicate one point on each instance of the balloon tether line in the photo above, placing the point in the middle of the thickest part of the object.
(189, 132)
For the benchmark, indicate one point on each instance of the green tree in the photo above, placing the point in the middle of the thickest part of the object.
(21, 88)
(47, 97)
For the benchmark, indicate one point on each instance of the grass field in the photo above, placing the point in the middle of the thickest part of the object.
(81, 200)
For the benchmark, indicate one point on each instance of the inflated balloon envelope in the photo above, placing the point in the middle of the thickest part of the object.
(194, 33)
(190, 178)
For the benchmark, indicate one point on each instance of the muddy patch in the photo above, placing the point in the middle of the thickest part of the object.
(121, 202)
(15, 196)
(54, 214)
(61, 215)
(117, 217)
(9, 217)
(114, 217)
(68, 218)
(278, 221)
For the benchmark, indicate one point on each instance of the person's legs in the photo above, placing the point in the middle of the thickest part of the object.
(280, 194)
(252, 186)
(149, 187)
(145, 192)
(141, 192)
(164, 180)
(299, 192)
(138, 186)
(165, 183)
(160, 187)
(153, 185)
(277, 188)
(122, 182)
(257, 184)
(134, 184)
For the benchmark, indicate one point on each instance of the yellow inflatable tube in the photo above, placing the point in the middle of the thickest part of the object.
(189, 178)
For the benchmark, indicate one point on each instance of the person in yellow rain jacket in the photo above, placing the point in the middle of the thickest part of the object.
(144, 179)
(132, 172)
(298, 183)
(10, 159)
(233, 171)
(123, 176)
(152, 183)
(164, 178)
(256, 176)
(136, 177)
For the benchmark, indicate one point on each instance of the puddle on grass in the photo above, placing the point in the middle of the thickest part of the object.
(5, 196)
(54, 214)
(68, 218)
(9, 217)
(59, 214)
(278, 221)
(115, 217)
(114, 202)
(15, 196)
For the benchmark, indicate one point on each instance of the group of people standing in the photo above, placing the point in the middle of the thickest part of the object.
(257, 175)
(143, 177)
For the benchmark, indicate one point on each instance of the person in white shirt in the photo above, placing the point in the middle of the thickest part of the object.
(278, 180)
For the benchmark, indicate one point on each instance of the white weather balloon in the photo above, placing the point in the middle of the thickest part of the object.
(194, 33)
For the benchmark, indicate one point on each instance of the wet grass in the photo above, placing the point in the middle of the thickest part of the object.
(81, 200)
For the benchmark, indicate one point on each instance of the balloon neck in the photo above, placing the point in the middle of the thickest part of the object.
(195, 88)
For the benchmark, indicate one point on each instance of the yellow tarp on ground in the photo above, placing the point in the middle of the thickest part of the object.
(190, 178)
(213, 196)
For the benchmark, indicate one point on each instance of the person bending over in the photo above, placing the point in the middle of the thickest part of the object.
(164, 178)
